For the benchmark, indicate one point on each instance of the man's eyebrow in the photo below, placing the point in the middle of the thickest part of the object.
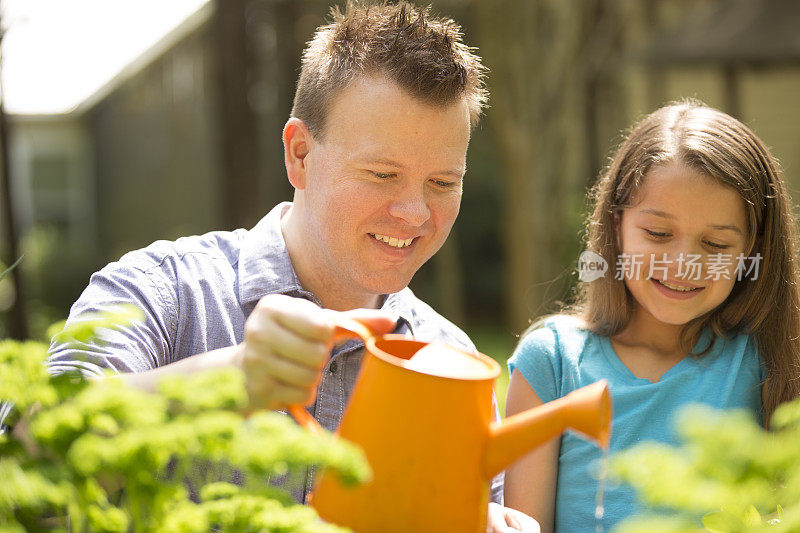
(456, 173)
(383, 161)
(663, 214)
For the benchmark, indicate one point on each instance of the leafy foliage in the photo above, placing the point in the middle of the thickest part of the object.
(729, 476)
(98, 455)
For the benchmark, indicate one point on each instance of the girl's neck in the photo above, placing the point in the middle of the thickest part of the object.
(646, 331)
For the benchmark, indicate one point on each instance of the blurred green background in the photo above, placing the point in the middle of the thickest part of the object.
(185, 138)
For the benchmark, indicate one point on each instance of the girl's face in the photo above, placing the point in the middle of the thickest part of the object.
(681, 243)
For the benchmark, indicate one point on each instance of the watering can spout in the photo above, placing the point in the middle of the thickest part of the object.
(586, 410)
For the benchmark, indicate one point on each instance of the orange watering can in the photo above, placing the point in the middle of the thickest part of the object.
(423, 415)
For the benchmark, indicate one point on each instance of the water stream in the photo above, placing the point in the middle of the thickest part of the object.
(599, 509)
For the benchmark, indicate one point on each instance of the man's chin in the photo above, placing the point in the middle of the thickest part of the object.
(392, 286)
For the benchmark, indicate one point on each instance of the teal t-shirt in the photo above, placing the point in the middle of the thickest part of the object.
(561, 357)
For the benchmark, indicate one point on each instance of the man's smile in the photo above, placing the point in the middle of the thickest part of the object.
(392, 241)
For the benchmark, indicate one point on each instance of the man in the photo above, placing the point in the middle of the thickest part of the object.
(376, 151)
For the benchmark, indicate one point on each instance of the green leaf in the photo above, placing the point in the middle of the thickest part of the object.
(86, 329)
(752, 517)
(722, 522)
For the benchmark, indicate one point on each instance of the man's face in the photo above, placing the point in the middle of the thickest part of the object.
(382, 188)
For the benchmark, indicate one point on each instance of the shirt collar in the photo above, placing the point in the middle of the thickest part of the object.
(265, 268)
(400, 306)
(264, 264)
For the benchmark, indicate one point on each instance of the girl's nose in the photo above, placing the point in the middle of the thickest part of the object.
(688, 261)
(411, 207)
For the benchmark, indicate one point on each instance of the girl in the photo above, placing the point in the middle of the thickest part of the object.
(699, 304)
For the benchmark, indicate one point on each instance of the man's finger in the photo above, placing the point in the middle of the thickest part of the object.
(272, 339)
(298, 315)
(290, 373)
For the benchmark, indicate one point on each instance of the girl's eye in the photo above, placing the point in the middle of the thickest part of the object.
(716, 245)
(657, 234)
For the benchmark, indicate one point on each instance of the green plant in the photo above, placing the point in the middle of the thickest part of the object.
(108, 457)
(730, 475)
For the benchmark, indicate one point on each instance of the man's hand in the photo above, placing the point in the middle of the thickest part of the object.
(287, 341)
(506, 520)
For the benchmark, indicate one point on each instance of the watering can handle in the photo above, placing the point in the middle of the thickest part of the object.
(346, 328)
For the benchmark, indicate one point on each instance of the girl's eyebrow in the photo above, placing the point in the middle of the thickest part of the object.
(735, 229)
(663, 214)
(658, 213)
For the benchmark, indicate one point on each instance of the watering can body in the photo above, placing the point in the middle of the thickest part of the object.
(424, 437)
(432, 443)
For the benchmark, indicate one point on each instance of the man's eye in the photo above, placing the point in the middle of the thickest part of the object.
(444, 184)
(383, 175)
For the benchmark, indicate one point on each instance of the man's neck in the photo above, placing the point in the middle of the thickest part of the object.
(339, 300)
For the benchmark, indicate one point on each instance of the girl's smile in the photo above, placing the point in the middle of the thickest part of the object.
(677, 290)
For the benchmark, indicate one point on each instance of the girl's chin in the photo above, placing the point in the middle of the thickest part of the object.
(675, 322)
(666, 318)
(674, 319)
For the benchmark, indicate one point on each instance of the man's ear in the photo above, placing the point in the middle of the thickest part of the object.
(297, 143)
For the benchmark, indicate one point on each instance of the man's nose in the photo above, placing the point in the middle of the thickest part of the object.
(411, 207)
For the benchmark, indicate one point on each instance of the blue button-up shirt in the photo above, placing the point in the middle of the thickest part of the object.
(196, 294)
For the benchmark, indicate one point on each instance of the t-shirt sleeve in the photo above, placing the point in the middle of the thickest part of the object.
(137, 347)
(537, 359)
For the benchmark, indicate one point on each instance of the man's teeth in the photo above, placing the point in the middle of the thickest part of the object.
(392, 241)
(678, 288)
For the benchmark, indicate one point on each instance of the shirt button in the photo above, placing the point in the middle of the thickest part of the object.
(332, 368)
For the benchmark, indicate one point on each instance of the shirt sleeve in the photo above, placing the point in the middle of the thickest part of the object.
(537, 359)
(137, 347)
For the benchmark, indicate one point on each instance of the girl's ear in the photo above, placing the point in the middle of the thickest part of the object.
(297, 142)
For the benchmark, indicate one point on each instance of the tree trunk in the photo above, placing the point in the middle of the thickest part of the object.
(449, 281)
(544, 72)
(17, 324)
(239, 185)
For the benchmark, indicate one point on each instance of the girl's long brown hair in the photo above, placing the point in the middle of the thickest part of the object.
(716, 144)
